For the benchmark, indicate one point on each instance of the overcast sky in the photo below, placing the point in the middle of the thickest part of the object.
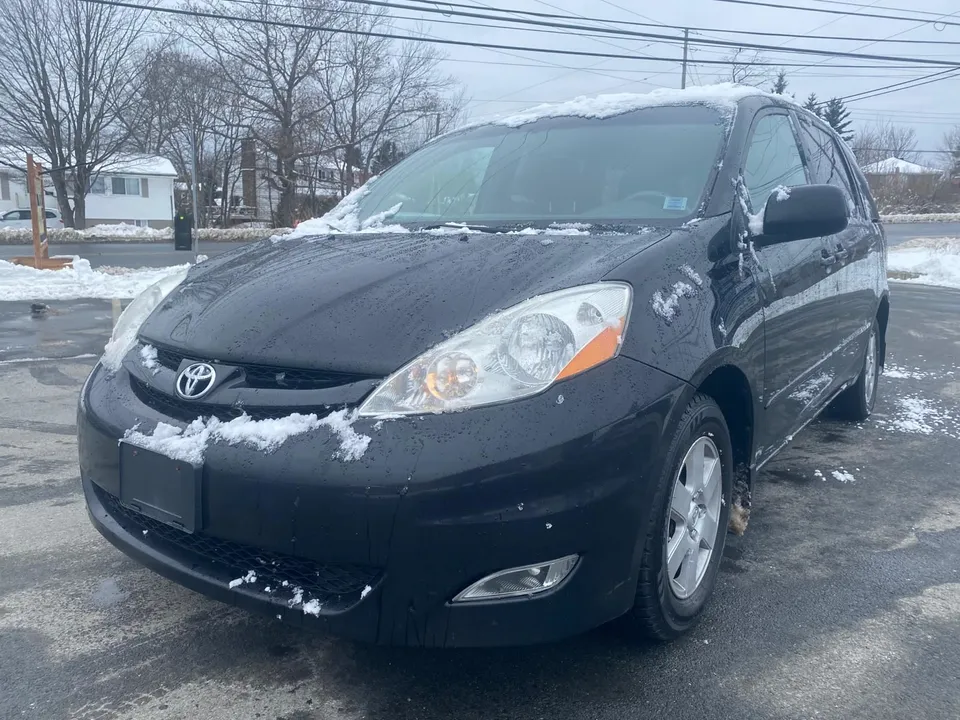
(505, 81)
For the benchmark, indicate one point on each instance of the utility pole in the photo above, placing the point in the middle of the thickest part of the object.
(683, 73)
(193, 186)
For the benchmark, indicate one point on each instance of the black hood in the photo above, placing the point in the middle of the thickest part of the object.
(369, 303)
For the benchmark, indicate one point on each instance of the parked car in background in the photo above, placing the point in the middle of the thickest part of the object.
(511, 390)
(22, 219)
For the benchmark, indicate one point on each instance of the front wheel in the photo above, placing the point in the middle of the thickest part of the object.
(686, 534)
(856, 402)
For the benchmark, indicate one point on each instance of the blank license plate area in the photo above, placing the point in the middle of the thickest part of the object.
(159, 487)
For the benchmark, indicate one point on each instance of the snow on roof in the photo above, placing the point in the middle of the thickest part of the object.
(723, 96)
(893, 165)
(124, 164)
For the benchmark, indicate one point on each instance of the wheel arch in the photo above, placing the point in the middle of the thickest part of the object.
(727, 384)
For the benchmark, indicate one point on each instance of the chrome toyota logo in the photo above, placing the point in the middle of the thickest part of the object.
(195, 381)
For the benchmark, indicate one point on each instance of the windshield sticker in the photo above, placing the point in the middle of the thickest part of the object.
(674, 203)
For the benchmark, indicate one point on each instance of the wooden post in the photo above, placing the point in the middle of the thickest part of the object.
(38, 220)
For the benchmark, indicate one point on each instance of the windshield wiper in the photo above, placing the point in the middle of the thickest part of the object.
(468, 226)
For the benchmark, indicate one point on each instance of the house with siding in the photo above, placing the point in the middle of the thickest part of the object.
(137, 190)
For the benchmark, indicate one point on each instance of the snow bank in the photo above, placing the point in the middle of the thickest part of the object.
(18, 283)
(934, 261)
(920, 218)
(132, 233)
(190, 443)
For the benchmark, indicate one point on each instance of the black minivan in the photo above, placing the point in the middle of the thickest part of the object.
(514, 388)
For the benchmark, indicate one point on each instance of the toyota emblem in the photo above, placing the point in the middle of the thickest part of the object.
(195, 381)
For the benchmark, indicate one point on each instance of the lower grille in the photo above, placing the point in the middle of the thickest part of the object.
(335, 586)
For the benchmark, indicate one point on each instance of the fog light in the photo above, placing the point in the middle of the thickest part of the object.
(514, 582)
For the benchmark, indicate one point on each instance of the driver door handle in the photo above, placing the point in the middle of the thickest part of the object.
(827, 258)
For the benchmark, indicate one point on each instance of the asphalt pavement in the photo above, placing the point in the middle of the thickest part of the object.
(842, 600)
(162, 254)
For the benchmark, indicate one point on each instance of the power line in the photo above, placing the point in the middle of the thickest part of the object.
(837, 12)
(882, 7)
(461, 43)
(656, 36)
(738, 31)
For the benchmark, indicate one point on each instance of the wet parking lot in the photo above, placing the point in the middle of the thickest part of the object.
(842, 600)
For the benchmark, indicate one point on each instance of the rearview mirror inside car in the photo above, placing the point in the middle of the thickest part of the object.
(803, 211)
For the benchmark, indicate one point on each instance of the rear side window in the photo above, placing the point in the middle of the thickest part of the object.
(826, 164)
(773, 159)
(51, 214)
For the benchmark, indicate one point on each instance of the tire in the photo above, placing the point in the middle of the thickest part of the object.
(856, 402)
(667, 603)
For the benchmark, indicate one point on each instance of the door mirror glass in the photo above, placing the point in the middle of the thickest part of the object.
(804, 211)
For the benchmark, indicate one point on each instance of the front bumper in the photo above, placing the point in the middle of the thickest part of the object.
(385, 543)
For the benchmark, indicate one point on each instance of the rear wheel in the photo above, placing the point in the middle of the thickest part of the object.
(856, 402)
(686, 534)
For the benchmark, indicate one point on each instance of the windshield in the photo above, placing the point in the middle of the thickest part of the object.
(647, 165)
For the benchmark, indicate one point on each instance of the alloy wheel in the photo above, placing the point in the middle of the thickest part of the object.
(870, 368)
(693, 521)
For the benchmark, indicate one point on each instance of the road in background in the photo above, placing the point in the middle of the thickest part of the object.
(901, 232)
(841, 601)
(139, 254)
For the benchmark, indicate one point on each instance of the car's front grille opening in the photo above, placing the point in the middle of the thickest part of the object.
(269, 377)
(190, 410)
(334, 585)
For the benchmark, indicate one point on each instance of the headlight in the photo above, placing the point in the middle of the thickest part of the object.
(124, 335)
(511, 354)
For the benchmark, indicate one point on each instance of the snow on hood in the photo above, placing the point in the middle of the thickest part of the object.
(189, 444)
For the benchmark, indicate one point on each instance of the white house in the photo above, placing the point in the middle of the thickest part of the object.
(137, 190)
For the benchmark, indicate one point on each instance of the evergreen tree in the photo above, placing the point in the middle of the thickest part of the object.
(813, 105)
(838, 117)
(780, 84)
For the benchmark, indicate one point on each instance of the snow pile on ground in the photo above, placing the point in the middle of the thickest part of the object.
(18, 283)
(132, 233)
(928, 261)
(126, 230)
(921, 416)
(920, 218)
(898, 372)
(190, 443)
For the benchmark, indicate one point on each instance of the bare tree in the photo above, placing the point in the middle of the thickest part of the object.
(69, 75)
(884, 139)
(273, 71)
(951, 151)
(744, 69)
(378, 91)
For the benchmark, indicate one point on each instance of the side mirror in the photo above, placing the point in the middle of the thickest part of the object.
(803, 211)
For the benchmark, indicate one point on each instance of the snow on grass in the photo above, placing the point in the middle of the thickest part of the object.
(126, 230)
(20, 283)
(189, 444)
(919, 218)
(148, 356)
(928, 261)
